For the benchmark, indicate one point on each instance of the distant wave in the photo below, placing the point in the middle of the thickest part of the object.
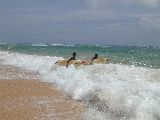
(103, 46)
(3, 43)
(39, 44)
(70, 45)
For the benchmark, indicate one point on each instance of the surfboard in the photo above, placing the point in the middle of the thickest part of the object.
(79, 62)
(101, 60)
(72, 62)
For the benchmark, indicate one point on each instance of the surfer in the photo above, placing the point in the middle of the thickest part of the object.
(95, 57)
(72, 58)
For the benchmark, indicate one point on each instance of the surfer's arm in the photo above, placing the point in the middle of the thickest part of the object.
(72, 58)
(68, 62)
(67, 65)
(92, 59)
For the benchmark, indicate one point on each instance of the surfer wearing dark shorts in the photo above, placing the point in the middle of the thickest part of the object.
(95, 57)
(72, 58)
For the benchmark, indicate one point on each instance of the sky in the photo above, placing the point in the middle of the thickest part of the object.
(113, 22)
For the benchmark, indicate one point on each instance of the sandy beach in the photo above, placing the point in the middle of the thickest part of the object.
(24, 97)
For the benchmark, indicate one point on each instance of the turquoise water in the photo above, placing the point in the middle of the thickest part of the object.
(138, 56)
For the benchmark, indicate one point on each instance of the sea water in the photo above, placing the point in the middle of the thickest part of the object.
(128, 88)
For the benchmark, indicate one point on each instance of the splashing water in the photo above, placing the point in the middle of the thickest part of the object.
(112, 91)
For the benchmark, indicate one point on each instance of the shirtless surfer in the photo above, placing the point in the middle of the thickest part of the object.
(95, 57)
(72, 58)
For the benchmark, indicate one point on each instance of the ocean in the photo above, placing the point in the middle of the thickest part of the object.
(127, 88)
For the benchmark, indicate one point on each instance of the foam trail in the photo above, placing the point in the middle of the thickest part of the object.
(125, 92)
(71, 45)
(40, 44)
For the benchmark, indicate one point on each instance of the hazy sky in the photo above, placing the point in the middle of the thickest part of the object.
(118, 22)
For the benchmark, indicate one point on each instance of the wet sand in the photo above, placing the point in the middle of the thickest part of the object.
(30, 99)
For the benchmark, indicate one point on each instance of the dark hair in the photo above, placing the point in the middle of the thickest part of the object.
(96, 54)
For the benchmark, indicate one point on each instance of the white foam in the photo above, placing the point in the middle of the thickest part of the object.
(3, 43)
(39, 44)
(65, 45)
(129, 92)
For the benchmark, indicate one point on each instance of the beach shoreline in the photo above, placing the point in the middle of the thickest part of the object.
(27, 99)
